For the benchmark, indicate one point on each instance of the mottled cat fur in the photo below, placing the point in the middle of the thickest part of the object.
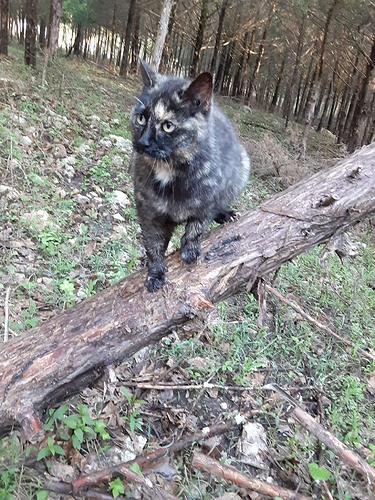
(187, 165)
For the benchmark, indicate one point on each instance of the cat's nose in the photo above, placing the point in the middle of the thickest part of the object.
(144, 140)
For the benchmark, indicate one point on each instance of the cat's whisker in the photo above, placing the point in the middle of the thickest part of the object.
(136, 98)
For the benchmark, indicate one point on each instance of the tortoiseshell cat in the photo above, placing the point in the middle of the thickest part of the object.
(187, 165)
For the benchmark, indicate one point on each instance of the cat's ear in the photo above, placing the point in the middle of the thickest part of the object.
(149, 76)
(199, 91)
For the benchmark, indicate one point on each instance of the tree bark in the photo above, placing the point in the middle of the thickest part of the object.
(68, 352)
(53, 29)
(30, 37)
(4, 18)
(199, 39)
(317, 82)
(364, 110)
(127, 38)
(162, 34)
(218, 36)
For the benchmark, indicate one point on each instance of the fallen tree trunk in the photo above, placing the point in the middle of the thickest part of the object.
(68, 352)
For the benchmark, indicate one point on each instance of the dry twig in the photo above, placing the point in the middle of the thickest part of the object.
(230, 474)
(321, 326)
(331, 441)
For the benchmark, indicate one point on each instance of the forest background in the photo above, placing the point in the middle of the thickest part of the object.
(297, 79)
(309, 60)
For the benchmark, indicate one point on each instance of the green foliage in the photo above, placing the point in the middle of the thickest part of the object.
(318, 473)
(132, 419)
(117, 487)
(77, 427)
(51, 449)
(371, 459)
(78, 12)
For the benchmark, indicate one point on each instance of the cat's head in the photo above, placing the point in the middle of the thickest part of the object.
(170, 117)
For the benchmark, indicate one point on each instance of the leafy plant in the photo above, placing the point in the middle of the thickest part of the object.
(318, 473)
(81, 425)
(132, 418)
(51, 449)
(117, 487)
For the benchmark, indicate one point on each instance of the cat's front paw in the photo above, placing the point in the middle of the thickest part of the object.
(156, 277)
(226, 216)
(190, 254)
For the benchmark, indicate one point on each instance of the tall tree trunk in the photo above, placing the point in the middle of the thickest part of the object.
(166, 49)
(162, 34)
(240, 64)
(42, 32)
(77, 45)
(53, 29)
(328, 97)
(291, 90)
(127, 39)
(4, 18)
(31, 29)
(218, 36)
(363, 112)
(276, 92)
(260, 53)
(347, 99)
(113, 37)
(224, 89)
(317, 82)
(135, 42)
(199, 39)
(246, 64)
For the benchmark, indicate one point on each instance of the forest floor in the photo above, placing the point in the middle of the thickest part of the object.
(68, 229)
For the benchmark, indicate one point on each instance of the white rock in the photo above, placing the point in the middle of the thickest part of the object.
(19, 119)
(38, 219)
(117, 161)
(120, 198)
(95, 118)
(70, 160)
(105, 143)
(80, 198)
(121, 142)
(68, 171)
(9, 192)
(83, 148)
(119, 229)
(26, 141)
(119, 217)
(252, 445)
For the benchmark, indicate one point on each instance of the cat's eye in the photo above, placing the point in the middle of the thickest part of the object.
(141, 119)
(168, 127)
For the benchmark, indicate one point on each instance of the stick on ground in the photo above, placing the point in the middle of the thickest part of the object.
(228, 473)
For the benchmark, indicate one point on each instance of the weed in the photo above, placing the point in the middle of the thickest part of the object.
(117, 487)
(132, 418)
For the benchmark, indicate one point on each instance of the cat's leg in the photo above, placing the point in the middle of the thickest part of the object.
(156, 233)
(191, 240)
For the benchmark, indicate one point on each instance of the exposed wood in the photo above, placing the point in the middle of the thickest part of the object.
(252, 483)
(68, 352)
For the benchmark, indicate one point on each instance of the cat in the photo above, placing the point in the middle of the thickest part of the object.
(187, 165)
